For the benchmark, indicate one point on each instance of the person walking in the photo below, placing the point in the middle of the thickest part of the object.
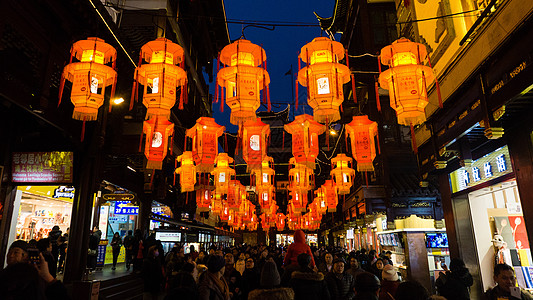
(152, 275)
(327, 265)
(367, 286)
(129, 242)
(92, 253)
(270, 285)
(389, 283)
(355, 267)
(306, 283)
(299, 246)
(212, 284)
(340, 284)
(455, 283)
(62, 245)
(116, 244)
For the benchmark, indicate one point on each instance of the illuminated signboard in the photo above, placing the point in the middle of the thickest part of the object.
(42, 167)
(125, 208)
(490, 166)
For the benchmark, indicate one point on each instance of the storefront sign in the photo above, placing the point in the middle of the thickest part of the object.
(125, 208)
(168, 236)
(49, 167)
(102, 224)
(490, 166)
(118, 197)
(349, 234)
(64, 192)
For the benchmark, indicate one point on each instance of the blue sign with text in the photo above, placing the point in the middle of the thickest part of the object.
(125, 208)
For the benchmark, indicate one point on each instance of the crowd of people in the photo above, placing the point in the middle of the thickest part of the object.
(254, 272)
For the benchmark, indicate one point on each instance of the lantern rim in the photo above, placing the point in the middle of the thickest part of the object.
(245, 46)
(110, 53)
(206, 121)
(158, 44)
(402, 45)
(300, 121)
(322, 43)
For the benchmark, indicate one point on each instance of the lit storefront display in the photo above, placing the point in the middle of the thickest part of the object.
(287, 239)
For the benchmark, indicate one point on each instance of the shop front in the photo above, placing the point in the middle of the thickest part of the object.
(284, 239)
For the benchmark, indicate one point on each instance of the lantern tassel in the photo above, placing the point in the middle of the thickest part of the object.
(378, 103)
(366, 178)
(216, 82)
(327, 133)
(226, 142)
(437, 85)
(61, 86)
(268, 99)
(283, 142)
(296, 102)
(377, 133)
(141, 140)
(182, 95)
(299, 63)
(354, 94)
(152, 178)
(133, 91)
(379, 64)
(222, 99)
(186, 86)
(112, 92)
(172, 144)
(175, 167)
(185, 143)
(187, 198)
(83, 129)
(413, 139)
(347, 58)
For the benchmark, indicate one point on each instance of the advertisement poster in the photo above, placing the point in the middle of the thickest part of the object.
(42, 167)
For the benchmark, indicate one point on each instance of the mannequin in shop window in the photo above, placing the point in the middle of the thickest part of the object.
(503, 254)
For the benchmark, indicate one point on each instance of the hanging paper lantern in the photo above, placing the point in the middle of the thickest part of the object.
(264, 176)
(298, 200)
(300, 176)
(324, 77)
(265, 222)
(236, 193)
(243, 79)
(342, 173)
(225, 212)
(204, 136)
(273, 209)
(305, 132)
(217, 204)
(160, 76)
(406, 79)
(223, 173)
(266, 197)
(233, 219)
(187, 172)
(203, 200)
(90, 77)
(158, 132)
(328, 193)
(280, 221)
(254, 135)
(362, 132)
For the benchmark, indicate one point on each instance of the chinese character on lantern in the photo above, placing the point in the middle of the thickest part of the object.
(204, 136)
(187, 172)
(305, 132)
(406, 79)
(89, 76)
(362, 132)
(243, 78)
(158, 132)
(324, 77)
(342, 173)
(254, 135)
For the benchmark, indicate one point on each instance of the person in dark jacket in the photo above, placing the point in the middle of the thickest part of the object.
(94, 240)
(455, 283)
(355, 267)
(377, 267)
(116, 244)
(62, 245)
(389, 283)
(45, 247)
(367, 286)
(212, 284)
(151, 274)
(411, 290)
(505, 279)
(327, 265)
(299, 246)
(54, 234)
(307, 284)
(270, 285)
(250, 277)
(129, 242)
(340, 284)
(183, 286)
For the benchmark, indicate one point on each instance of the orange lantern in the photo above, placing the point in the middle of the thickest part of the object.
(280, 221)
(406, 80)
(158, 132)
(233, 219)
(242, 78)
(298, 200)
(254, 134)
(300, 176)
(187, 172)
(217, 204)
(324, 77)
(305, 132)
(223, 173)
(160, 76)
(265, 222)
(203, 200)
(225, 213)
(362, 132)
(90, 76)
(236, 193)
(266, 197)
(204, 136)
(342, 173)
(264, 176)
(273, 209)
(328, 193)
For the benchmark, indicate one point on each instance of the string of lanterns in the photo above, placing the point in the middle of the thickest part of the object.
(243, 82)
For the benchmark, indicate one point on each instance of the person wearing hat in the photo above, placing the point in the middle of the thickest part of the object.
(270, 282)
(212, 284)
(367, 286)
(389, 283)
(306, 283)
(340, 284)
(297, 247)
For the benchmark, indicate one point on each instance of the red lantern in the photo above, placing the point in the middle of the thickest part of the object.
(324, 77)
(242, 78)
(160, 76)
(342, 173)
(280, 222)
(158, 132)
(406, 80)
(236, 193)
(187, 172)
(300, 176)
(305, 132)
(223, 173)
(298, 201)
(225, 213)
(90, 77)
(264, 176)
(204, 136)
(217, 204)
(362, 132)
(203, 200)
(254, 134)
(328, 193)
(266, 197)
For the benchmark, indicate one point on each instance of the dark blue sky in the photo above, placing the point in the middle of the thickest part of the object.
(282, 45)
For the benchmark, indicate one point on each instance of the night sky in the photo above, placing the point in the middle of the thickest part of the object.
(282, 45)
